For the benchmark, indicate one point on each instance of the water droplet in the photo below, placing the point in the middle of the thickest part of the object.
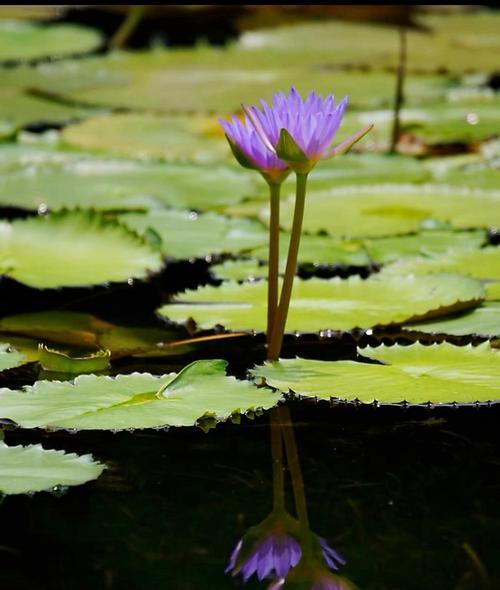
(193, 215)
(42, 209)
(130, 281)
(472, 118)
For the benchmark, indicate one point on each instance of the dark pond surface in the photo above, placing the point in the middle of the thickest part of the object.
(408, 497)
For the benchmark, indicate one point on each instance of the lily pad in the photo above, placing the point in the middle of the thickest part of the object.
(335, 304)
(208, 79)
(151, 137)
(186, 234)
(200, 392)
(384, 210)
(10, 358)
(71, 249)
(425, 244)
(417, 374)
(480, 263)
(57, 179)
(482, 321)
(27, 41)
(35, 469)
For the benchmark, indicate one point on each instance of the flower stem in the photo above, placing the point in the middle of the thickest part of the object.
(278, 331)
(294, 467)
(273, 261)
(277, 455)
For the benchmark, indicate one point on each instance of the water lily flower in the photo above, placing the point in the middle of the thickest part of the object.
(272, 548)
(300, 132)
(250, 152)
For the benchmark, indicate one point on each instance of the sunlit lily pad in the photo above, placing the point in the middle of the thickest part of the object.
(384, 210)
(35, 177)
(185, 234)
(154, 137)
(207, 79)
(73, 249)
(27, 41)
(200, 392)
(9, 357)
(35, 469)
(480, 263)
(335, 304)
(482, 321)
(417, 374)
(426, 244)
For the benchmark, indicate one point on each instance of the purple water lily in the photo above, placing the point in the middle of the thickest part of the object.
(272, 548)
(300, 132)
(250, 152)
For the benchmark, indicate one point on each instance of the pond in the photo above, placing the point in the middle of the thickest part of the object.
(232, 354)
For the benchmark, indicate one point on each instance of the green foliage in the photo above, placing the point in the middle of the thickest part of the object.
(329, 304)
(417, 374)
(34, 469)
(200, 394)
(42, 251)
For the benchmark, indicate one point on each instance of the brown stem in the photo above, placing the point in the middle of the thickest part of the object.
(133, 18)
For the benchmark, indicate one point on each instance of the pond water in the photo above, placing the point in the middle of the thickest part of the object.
(408, 497)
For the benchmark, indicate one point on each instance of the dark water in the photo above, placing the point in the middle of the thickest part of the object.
(408, 497)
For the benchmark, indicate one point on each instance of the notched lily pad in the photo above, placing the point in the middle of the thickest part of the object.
(73, 249)
(335, 304)
(34, 469)
(201, 390)
(440, 374)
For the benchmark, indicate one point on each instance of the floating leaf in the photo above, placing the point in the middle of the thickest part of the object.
(58, 361)
(336, 304)
(154, 137)
(493, 291)
(73, 249)
(185, 234)
(90, 402)
(482, 321)
(384, 210)
(425, 244)
(57, 179)
(35, 469)
(10, 358)
(27, 41)
(440, 373)
(207, 79)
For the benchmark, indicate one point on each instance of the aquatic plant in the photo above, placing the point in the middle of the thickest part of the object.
(294, 134)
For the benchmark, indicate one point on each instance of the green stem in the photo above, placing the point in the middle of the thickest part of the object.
(291, 266)
(293, 462)
(273, 261)
(277, 454)
(128, 26)
(399, 97)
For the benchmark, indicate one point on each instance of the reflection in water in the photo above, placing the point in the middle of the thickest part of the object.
(282, 547)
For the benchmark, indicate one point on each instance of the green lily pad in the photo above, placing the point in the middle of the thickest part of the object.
(59, 361)
(335, 304)
(425, 244)
(10, 358)
(417, 374)
(35, 469)
(480, 263)
(384, 210)
(208, 79)
(482, 321)
(70, 249)
(146, 136)
(27, 41)
(185, 234)
(57, 179)
(492, 290)
(200, 392)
